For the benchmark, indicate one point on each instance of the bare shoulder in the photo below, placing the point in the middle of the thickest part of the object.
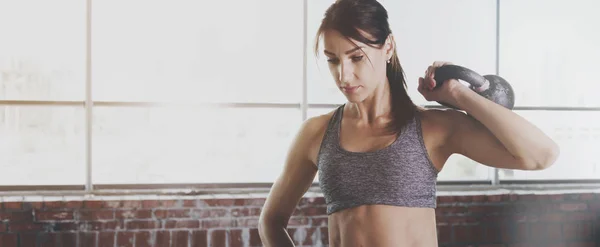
(438, 125)
(313, 130)
(441, 122)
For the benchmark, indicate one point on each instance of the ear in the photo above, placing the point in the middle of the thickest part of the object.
(389, 46)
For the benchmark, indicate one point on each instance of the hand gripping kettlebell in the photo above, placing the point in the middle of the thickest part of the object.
(492, 87)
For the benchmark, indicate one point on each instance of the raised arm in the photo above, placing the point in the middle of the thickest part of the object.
(491, 134)
(296, 178)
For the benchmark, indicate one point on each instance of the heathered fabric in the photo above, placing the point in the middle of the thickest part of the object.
(400, 174)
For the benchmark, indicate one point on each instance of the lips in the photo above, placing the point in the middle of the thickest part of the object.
(350, 89)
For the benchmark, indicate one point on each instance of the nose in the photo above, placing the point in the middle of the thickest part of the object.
(345, 72)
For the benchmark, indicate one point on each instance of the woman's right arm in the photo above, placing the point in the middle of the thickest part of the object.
(296, 178)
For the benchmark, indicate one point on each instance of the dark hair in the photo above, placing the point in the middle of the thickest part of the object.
(350, 16)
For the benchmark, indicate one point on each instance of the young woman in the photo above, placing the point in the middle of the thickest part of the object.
(378, 155)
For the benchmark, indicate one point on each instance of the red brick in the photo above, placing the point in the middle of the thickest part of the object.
(54, 204)
(73, 204)
(587, 197)
(218, 223)
(261, 202)
(66, 226)
(180, 238)
(484, 209)
(53, 215)
(305, 201)
(106, 239)
(459, 220)
(171, 203)
(235, 237)
(102, 225)
(552, 217)
(469, 234)
(452, 210)
(444, 234)
(546, 231)
(319, 221)
(150, 204)
(28, 239)
(493, 233)
(66, 239)
(133, 214)
(19, 216)
(13, 205)
(252, 222)
(294, 221)
(96, 215)
(88, 239)
(200, 239)
(578, 231)
(580, 216)
(8, 239)
(142, 224)
(573, 206)
(255, 237)
(172, 213)
(210, 213)
(594, 206)
(445, 199)
(220, 202)
(23, 227)
(3, 227)
(131, 204)
(93, 204)
(33, 205)
(497, 198)
(185, 224)
(125, 239)
(218, 237)
(189, 203)
(163, 238)
(143, 239)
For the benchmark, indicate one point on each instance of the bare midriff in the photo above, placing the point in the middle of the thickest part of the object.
(383, 226)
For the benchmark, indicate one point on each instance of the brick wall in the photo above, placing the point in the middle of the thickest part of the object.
(492, 221)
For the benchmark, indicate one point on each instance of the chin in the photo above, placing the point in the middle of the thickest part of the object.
(355, 98)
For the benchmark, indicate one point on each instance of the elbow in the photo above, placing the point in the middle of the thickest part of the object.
(545, 159)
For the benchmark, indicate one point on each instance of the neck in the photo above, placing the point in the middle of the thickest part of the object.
(377, 108)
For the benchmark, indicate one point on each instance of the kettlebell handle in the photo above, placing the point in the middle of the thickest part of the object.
(446, 72)
(492, 87)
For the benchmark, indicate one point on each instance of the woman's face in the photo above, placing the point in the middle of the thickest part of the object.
(358, 69)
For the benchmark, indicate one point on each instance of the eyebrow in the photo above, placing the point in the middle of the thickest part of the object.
(347, 52)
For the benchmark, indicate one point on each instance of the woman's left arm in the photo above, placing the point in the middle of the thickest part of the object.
(493, 135)
(530, 147)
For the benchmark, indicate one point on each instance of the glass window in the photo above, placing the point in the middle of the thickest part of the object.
(191, 145)
(549, 51)
(42, 57)
(196, 51)
(42, 145)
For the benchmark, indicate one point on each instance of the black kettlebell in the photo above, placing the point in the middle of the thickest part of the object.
(492, 87)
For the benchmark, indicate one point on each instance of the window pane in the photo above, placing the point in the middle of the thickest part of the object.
(549, 51)
(42, 145)
(577, 134)
(191, 145)
(42, 57)
(189, 51)
(467, 39)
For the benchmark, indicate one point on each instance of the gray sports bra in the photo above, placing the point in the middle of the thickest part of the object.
(400, 174)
